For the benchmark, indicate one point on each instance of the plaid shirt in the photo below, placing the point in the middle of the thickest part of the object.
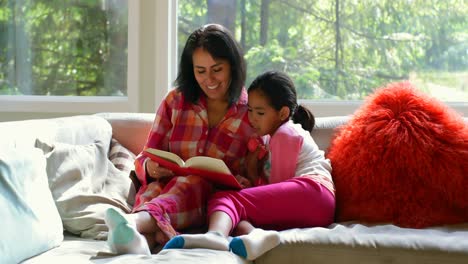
(182, 128)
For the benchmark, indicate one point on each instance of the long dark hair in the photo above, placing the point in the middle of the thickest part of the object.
(280, 90)
(220, 43)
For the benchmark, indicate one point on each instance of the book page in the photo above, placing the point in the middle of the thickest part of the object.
(166, 155)
(208, 163)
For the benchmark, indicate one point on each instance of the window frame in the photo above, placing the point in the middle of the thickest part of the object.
(89, 104)
(165, 38)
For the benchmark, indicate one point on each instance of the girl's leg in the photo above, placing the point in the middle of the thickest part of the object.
(243, 228)
(295, 203)
(255, 243)
(276, 206)
(216, 238)
(224, 216)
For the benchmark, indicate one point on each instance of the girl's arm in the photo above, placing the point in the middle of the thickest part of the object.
(254, 161)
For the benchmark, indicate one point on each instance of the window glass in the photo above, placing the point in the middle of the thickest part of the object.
(63, 48)
(342, 50)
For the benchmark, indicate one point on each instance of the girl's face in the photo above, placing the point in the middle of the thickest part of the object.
(263, 117)
(213, 75)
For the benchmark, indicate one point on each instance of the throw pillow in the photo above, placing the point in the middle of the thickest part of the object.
(402, 158)
(30, 223)
(122, 158)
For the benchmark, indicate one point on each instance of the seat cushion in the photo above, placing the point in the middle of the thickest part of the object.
(79, 250)
(351, 242)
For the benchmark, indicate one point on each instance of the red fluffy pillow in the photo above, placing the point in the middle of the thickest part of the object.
(402, 158)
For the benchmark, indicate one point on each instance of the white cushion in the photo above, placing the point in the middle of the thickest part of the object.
(30, 222)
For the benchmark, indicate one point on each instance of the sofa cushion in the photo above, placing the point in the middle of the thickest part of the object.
(30, 223)
(84, 183)
(402, 158)
(352, 242)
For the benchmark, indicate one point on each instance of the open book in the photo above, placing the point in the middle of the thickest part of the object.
(212, 169)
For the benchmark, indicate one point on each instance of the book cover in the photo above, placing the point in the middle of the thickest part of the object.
(211, 169)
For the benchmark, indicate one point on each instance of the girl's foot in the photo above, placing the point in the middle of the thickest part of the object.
(209, 240)
(123, 237)
(254, 244)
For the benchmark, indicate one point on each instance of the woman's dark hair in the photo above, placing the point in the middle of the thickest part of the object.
(280, 90)
(220, 43)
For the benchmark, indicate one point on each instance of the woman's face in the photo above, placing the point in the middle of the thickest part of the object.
(213, 75)
(263, 117)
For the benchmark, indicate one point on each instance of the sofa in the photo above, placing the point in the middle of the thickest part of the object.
(108, 142)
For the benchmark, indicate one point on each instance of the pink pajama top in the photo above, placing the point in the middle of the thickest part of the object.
(182, 128)
(294, 153)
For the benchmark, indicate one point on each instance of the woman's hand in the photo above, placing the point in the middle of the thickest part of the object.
(154, 171)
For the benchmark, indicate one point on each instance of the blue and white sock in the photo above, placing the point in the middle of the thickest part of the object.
(254, 244)
(209, 240)
(123, 237)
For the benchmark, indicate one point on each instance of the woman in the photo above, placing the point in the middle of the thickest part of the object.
(205, 115)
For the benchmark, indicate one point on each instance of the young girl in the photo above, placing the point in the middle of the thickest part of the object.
(299, 193)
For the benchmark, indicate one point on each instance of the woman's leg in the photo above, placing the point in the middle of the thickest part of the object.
(180, 204)
(123, 236)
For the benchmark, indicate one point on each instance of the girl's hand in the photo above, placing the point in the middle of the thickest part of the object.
(255, 159)
(154, 171)
(252, 165)
(244, 182)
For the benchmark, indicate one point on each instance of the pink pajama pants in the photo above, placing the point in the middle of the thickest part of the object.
(179, 204)
(295, 203)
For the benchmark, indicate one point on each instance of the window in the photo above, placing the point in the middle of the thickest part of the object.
(69, 56)
(338, 51)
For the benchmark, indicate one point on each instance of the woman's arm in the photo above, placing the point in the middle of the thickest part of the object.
(145, 169)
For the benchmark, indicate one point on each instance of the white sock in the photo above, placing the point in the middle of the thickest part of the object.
(209, 240)
(254, 244)
(123, 237)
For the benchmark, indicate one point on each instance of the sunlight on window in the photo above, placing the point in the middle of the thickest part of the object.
(343, 50)
(63, 48)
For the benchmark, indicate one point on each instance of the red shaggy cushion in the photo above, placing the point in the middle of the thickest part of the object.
(402, 158)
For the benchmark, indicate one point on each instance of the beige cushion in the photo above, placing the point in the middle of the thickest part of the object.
(84, 183)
